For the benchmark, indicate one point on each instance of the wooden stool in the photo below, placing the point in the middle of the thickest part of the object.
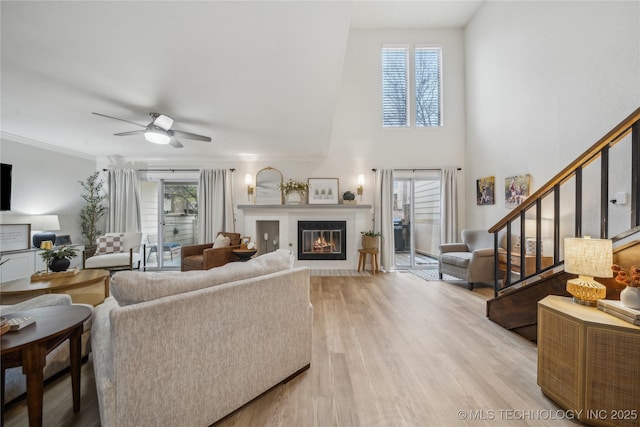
(363, 259)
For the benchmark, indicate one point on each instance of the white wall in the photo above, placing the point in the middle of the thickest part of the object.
(358, 142)
(46, 182)
(545, 81)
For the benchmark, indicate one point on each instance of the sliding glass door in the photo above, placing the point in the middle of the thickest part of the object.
(169, 220)
(416, 219)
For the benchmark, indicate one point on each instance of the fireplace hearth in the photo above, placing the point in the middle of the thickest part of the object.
(322, 240)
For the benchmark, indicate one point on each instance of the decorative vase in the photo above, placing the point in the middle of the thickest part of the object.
(59, 264)
(630, 297)
(294, 198)
(370, 242)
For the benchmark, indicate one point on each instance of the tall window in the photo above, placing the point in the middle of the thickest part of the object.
(428, 100)
(395, 109)
(427, 82)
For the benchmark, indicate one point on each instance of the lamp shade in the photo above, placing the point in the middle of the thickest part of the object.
(588, 257)
(45, 223)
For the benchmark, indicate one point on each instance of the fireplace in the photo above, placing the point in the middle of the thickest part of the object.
(322, 240)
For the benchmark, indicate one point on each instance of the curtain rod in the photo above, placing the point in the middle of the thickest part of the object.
(416, 169)
(168, 170)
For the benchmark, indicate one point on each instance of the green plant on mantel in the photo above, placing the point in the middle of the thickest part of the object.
(94, 209)
(291, 186)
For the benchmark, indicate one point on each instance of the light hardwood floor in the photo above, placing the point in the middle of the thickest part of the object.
(388, 350)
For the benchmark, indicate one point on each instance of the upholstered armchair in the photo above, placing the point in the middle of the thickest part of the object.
(209, 255)
(116, 251)
(471, 260)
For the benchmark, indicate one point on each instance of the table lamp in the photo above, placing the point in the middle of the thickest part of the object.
(587, 258)
(44, 225)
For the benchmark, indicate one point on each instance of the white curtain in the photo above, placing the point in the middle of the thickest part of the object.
(383, 217)
(215, 204)
(449, 206)
(124, 201)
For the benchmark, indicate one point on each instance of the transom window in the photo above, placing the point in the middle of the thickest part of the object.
(427, 81)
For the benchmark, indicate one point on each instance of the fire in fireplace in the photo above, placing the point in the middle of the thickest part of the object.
(322, 240)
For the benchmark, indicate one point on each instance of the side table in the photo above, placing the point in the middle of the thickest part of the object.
(244, 254)
(363, 259)
(29, 347)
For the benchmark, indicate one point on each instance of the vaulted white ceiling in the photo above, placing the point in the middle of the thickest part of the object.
(260, 78)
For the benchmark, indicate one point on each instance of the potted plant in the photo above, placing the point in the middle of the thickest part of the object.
(294, 190)
(57, 259)
(94, 209)
(371, 239)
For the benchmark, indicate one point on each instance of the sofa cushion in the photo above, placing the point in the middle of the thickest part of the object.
(132, 287)
(459, 259)
(111, 260)
(108, 244)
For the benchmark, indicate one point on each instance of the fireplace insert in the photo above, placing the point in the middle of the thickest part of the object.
(322, 240)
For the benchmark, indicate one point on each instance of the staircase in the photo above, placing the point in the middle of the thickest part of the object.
(580, 200)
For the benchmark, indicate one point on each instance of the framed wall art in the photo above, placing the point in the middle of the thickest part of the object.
(15, 237)
(486, 191)
(323, 191)
(516, 190)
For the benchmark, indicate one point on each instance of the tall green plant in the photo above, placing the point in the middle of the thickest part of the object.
(94, 209)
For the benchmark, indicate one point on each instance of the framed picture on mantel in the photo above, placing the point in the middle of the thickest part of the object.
(323, 191)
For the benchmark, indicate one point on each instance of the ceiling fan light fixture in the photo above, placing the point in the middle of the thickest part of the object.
(157, 136)
(164, 122)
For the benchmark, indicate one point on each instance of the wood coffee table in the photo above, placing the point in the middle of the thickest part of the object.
(29, 347)
(87, 287)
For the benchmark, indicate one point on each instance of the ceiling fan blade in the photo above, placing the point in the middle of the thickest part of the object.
(190, 135)
(122, 120)
(175, 143)
(133, 132)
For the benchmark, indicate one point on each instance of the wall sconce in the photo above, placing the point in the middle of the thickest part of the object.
(587, 258)
(248, 179)
(360, 188)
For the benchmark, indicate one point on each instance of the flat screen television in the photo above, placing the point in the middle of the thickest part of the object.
(5, 186)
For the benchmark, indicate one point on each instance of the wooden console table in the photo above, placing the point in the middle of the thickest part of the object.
(588, 362)
(87, 287)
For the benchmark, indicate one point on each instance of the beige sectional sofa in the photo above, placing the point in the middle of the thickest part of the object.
(189, 348)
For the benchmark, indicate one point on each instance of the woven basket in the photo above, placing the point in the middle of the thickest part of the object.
(369, 242)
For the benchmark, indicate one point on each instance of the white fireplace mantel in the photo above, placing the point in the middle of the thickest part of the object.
(357, 218)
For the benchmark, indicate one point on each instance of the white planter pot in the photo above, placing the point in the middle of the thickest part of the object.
(294, 198)
(630, 297)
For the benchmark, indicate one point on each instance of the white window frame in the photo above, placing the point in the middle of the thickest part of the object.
(411, 85)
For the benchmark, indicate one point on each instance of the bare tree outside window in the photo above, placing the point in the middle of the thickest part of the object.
(428, 87)
(394, 87)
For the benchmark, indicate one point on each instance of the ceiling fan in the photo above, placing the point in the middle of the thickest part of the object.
(159, 130)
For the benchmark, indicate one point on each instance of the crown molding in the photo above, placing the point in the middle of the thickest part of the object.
(45, 146)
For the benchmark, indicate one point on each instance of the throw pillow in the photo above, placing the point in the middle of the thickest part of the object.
(109, 244)
(221, 241)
